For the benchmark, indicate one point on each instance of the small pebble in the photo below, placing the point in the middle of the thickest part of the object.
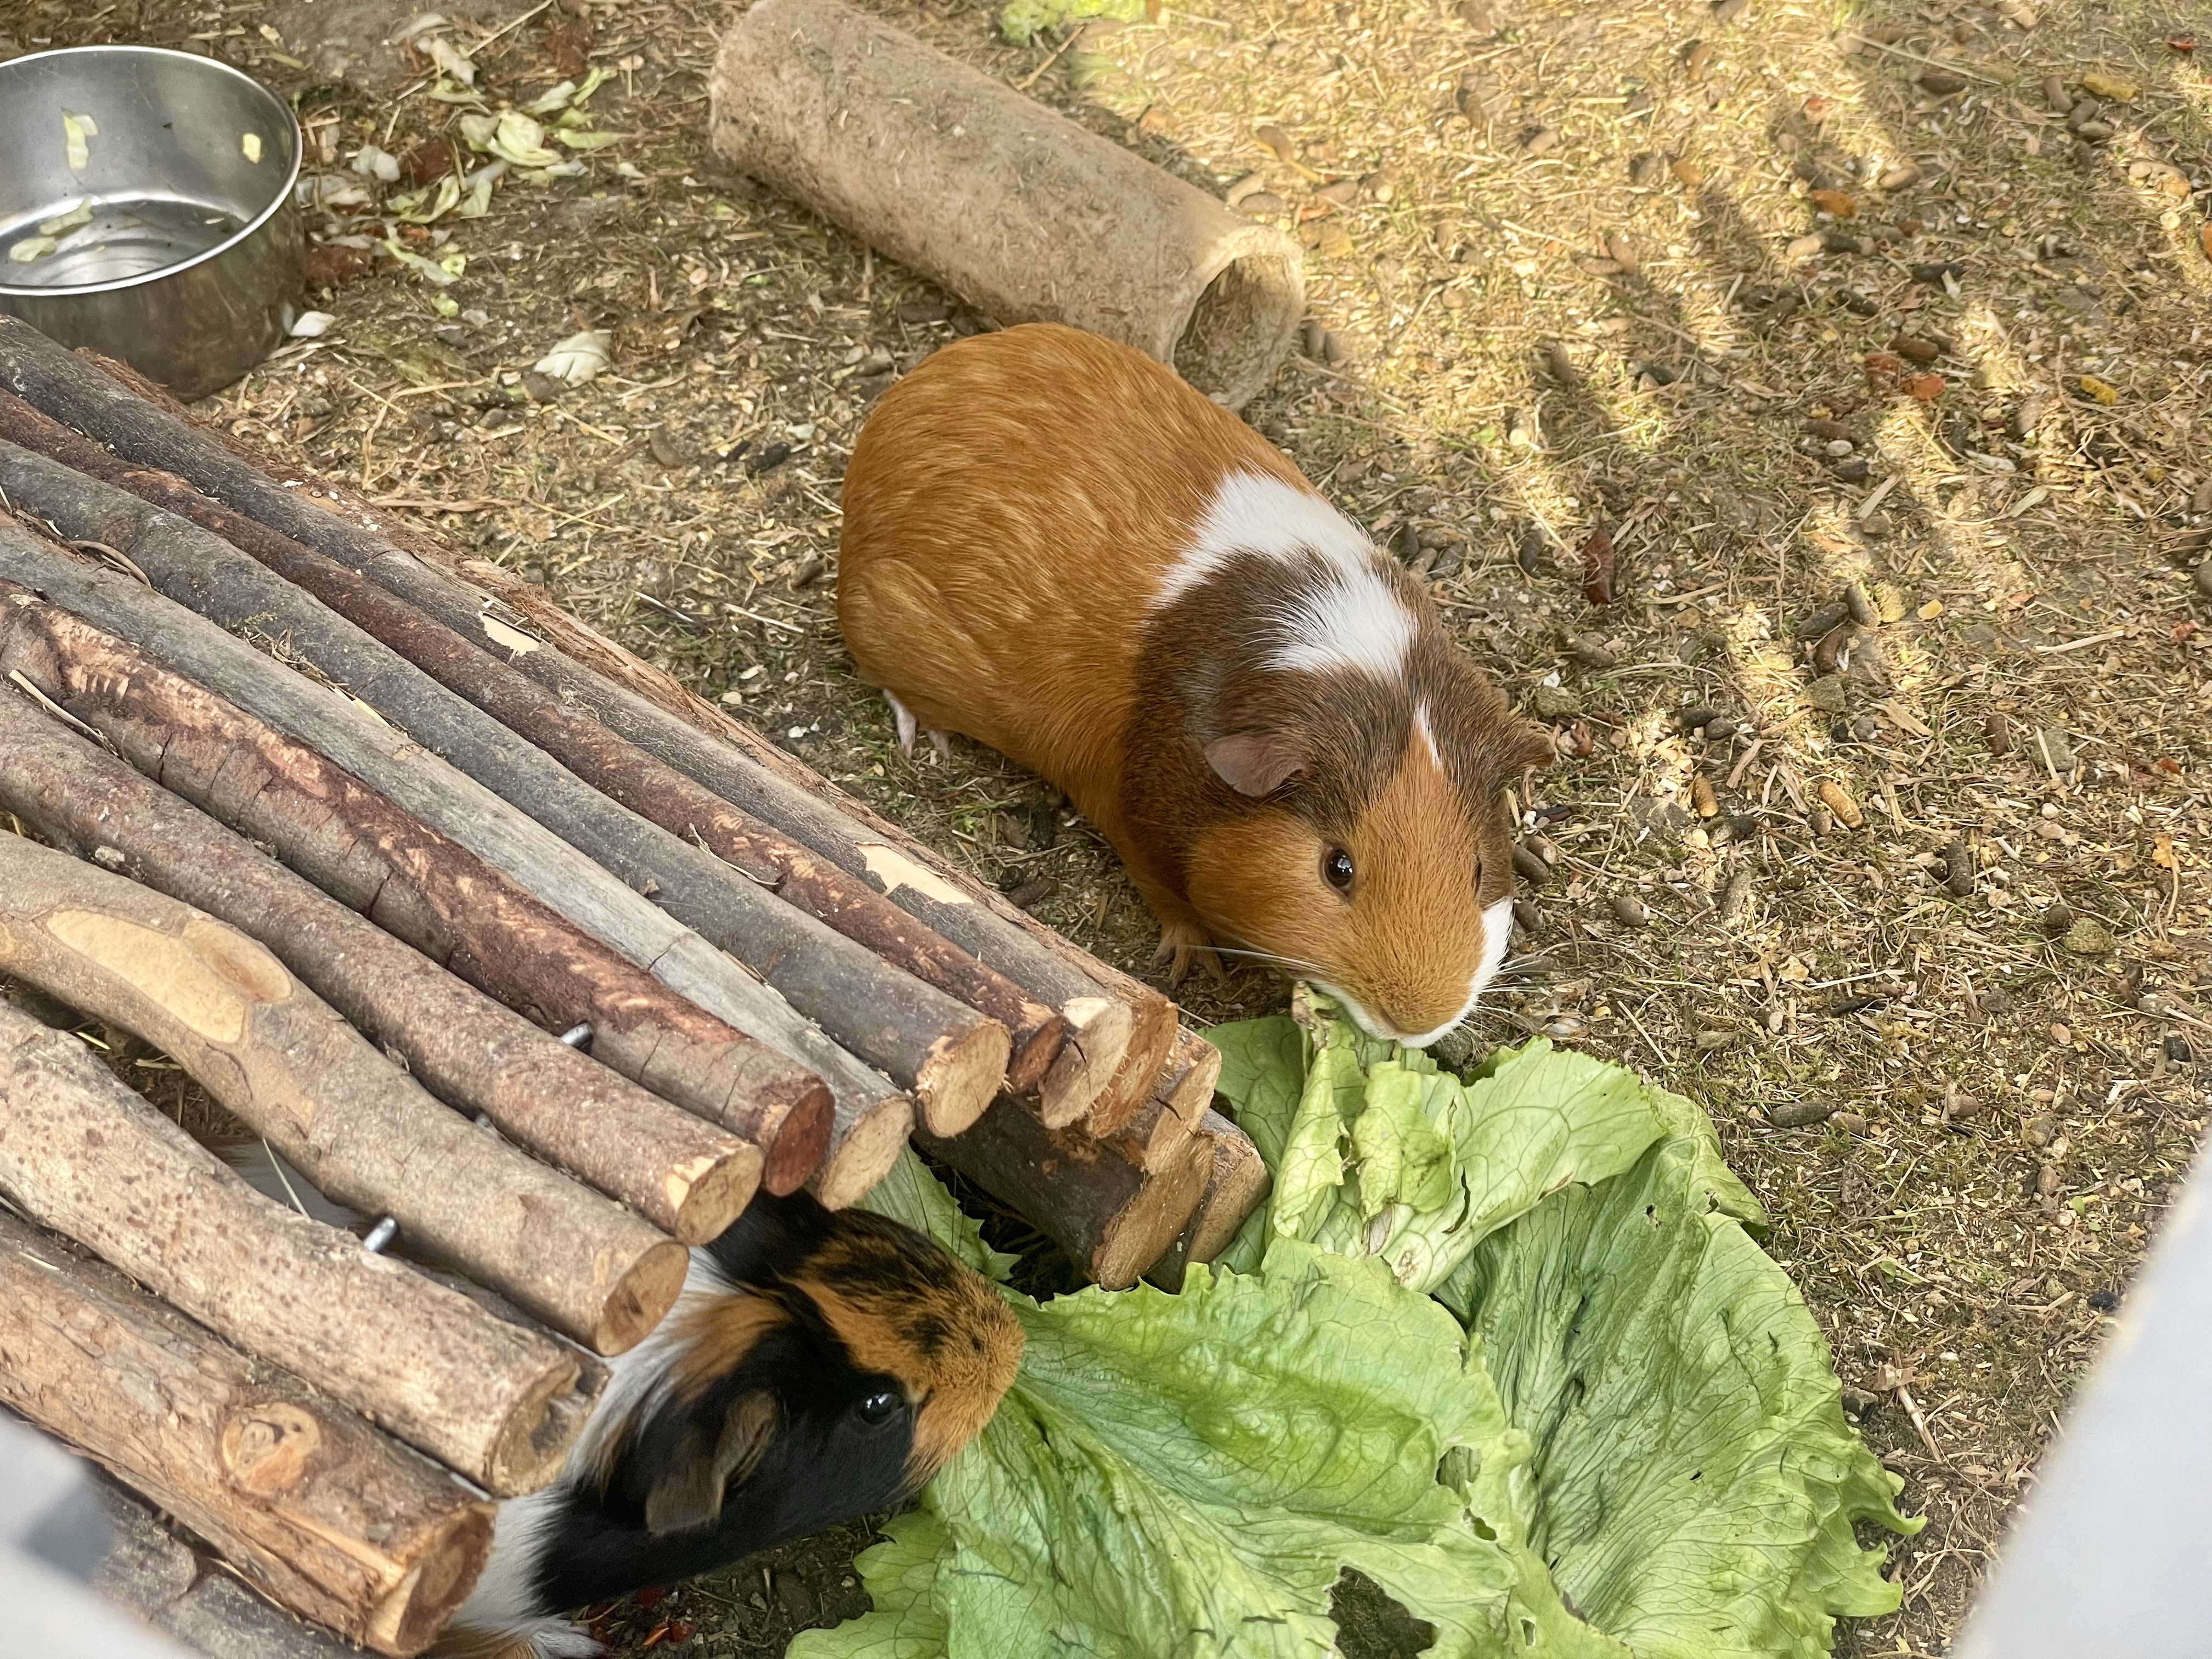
(1994, 1001)
(1709, 1042)
(1541, 140)
(1818, 820)
(1852, 1123)
(1801, 1114)
(2038, 1130)
(2053, 746)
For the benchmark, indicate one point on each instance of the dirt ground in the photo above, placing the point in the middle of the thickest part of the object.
(1884, 779)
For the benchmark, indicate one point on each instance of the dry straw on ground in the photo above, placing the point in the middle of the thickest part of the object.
(1787, 299)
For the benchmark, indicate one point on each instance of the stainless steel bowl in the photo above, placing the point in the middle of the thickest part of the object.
(146, 210)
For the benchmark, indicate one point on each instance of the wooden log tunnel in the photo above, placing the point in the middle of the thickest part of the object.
(82, 1153)
(1119, 1034)
(949, 1056)
(275, 1055)
(1102, 1062)
(470, 825)
(325, 734)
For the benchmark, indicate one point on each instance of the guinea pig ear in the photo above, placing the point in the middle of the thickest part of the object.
(1255, 763)
(688, 1494)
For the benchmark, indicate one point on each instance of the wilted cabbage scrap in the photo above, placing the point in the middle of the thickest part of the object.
(1503, 1345)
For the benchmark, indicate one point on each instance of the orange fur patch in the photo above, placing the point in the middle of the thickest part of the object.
(947, 1339)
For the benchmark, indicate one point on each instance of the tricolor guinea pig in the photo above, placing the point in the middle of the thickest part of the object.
(819, 1367)
(1055, 546)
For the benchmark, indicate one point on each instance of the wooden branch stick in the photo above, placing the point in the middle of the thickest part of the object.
(871, 1117)
(949, 1056)
(309, 1502)
(275, 1055)
(140, 424)
(1180, 1098)
(679, 1172)
(1236, 1183)
(611, 763)
(357, 846)
(362, 848)
(1111, 1215)
(82, 1153)
(172, 1586)
(1121, 1028)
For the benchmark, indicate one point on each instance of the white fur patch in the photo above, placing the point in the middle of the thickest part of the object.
(1277, 520)
(506, 1598)
(1351, 619)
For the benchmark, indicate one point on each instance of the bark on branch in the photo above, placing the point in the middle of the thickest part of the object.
(351, 747)
(309, 1502)
(82, 1153)
(679, 1172)
(276, 1056)
(949, 1056)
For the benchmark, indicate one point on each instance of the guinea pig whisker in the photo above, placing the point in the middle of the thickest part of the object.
(1289, 965)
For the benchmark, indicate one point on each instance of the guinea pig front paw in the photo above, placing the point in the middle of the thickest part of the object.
(1183, 943)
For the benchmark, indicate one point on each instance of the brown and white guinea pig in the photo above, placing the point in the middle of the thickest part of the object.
(819, 1366)
(1055, 546)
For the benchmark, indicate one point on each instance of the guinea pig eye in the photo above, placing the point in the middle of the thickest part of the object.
(1336, 869)
(878, 1408)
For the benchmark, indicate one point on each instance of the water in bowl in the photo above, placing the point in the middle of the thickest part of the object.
(126, 236)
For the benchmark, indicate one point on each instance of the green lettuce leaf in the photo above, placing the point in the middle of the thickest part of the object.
(1611, 1392)
(1695, 1483)
(1187, 1474)
(1384, 1155)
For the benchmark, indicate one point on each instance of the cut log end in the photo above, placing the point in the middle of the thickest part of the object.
(409, 1616)
(540, 1431)
(1237, 1184)
(641, 1297)
(1141, 1233)
(794, 1135)
(864, 1153)
(705, 1196)
(1098, 1033)
(962, 1073)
